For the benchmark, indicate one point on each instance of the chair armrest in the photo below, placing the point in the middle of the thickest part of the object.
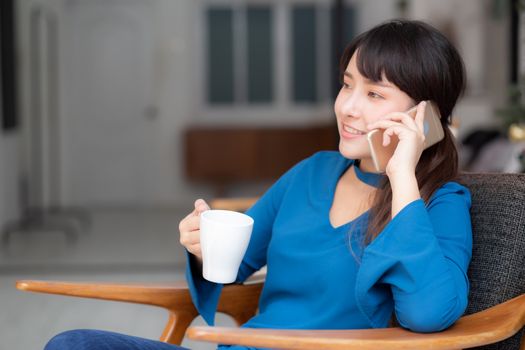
(239, 301)
(485, 327)
(174, 297)
(170, 296)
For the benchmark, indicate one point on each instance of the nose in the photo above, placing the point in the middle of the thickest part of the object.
(350, 106)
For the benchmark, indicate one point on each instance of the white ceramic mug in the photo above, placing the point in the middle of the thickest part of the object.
(224, 239)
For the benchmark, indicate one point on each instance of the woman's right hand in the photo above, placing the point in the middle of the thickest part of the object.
(189, 229)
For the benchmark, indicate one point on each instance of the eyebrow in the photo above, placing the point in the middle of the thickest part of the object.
(370, 82)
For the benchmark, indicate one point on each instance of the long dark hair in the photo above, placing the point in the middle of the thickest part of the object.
(421, 62)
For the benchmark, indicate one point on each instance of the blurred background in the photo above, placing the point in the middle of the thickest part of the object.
(117, 114)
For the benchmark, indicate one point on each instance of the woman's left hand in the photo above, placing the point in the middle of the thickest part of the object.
(411, 139)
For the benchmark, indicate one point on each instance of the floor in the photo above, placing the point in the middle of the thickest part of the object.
(124, 245)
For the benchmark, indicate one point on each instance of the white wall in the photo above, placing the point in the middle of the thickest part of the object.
(177, 64)
(172, 81)
(175, 79)
(483, 41)
(373, 12)
(9, 169)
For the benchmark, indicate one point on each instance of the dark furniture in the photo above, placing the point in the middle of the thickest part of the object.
(226, 156)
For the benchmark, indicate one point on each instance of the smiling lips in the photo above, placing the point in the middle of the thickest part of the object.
(354, 132)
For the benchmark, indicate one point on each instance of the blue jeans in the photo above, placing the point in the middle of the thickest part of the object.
(86, 339)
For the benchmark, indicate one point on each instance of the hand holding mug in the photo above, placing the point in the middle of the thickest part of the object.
(189, 229)
(218, 239)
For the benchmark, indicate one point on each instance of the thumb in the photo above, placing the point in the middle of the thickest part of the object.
(200, 206)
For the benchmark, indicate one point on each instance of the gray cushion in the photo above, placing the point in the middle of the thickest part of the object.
(497, 269)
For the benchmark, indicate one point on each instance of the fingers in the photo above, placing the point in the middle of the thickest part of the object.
(394, 119)
(195, 249)
(388, 133)
(395, 123)
(189, 228)
(389, 126)
(189, 224)
(420, 116)
(383, 124)
(190, 238)
(200, 206)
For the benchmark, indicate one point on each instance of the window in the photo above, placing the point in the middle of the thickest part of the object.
(259, 54)
(220, 48)
(304, 47)
(242, 39)
(7, 65)
(273, 56)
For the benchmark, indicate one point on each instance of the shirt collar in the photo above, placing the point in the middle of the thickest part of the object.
(372, 179)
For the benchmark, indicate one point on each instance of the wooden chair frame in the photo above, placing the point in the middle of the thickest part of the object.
(240, 301)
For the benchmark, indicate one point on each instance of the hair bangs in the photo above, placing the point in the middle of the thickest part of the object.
(383, 55)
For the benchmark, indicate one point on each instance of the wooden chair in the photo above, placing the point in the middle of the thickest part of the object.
(495, 315)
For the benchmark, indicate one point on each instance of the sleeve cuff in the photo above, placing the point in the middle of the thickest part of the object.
(204, 294)
(404, 255)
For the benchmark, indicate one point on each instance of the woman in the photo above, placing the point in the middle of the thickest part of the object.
(347, 248)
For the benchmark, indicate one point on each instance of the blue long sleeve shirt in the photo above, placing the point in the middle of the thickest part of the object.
(322, 277)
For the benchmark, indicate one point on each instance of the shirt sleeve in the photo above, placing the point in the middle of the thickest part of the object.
(205, 294)
(419, 263)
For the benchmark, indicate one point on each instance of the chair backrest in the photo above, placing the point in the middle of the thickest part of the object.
(497, 269)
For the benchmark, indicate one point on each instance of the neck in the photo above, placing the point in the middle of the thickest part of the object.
(367, 165)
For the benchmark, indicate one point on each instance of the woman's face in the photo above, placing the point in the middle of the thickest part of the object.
(359, 103)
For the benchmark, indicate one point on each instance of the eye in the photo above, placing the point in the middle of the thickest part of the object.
(374, 95)
(346, 85)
